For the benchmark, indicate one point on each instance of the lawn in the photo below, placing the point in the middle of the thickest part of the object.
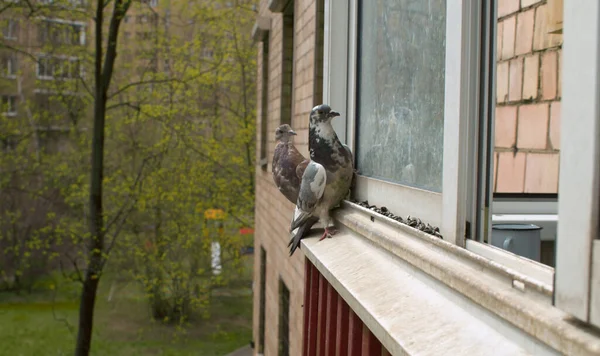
(43, 324)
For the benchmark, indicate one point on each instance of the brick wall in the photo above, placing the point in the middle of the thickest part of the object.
(527, 127)
(273, 211)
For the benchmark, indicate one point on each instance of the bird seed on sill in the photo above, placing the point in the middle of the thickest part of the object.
(410, 221)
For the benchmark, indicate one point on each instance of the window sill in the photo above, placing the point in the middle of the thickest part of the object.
(421, 295)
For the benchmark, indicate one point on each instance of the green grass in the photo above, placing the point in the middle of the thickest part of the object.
(43, 324)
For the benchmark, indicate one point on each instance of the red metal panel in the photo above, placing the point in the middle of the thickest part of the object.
(321, 334)
(341, 339)
(355, 327)
(331, 321)
(313, 311)
(370, 344)
(330, 326)
(306, 306)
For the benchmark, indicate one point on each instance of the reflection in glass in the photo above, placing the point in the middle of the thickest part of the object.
(401, 63)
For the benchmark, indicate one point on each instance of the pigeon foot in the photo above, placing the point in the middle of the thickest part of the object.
(329, 232)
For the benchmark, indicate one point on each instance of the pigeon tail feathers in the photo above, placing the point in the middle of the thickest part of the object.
(301, 218)
(301, 233)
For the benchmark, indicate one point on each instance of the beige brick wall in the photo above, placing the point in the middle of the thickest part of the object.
(527, 128)
(273, 211)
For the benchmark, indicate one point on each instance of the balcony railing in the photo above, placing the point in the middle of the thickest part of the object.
(330, 326)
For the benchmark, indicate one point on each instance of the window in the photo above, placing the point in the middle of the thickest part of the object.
(207, 53)
(51, 67)
(519, 153)
(10, 29)
(319, 45)
(58, 32)
(400, 98)
(260, 32)
(424, 128)
(57, 109)
(143, 35)
(287, 65)
(9, 105)
(78, 3)
(504, 148)
(9, 143)
(142, 18)
(9, 65)
(262, 300)
(284, 319)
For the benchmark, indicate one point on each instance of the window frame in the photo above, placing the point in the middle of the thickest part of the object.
(10, 66)
(11, 105)
(468, 79)
(261, 35)
(11, 31)
(577, 283)
(287, 9)
(46, 25)
(447, 209)
(62, 60)
(262, 300)
(283, 337)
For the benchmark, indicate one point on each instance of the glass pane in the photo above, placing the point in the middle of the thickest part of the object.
(524, 158)
(400, 110)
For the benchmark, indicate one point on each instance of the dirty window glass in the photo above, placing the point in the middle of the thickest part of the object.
(401, 58)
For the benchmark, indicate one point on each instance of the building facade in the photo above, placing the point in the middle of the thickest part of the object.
(453, 111)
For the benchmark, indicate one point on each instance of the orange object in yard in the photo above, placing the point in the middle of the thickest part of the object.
(214, 214)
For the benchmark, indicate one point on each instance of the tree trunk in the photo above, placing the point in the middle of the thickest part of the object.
(90, 283)
(102, 76)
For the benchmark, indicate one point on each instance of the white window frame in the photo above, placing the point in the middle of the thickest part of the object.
(63, 59)
(82, 27)
(11, 109)
(577, 284)
(11, 29)
(450, 209)
(447, 209)
(10, 69)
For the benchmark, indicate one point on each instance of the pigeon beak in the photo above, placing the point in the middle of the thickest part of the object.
(292, 132)
(333, 114)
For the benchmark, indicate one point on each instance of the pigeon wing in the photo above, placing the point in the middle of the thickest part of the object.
(300, 168)
(312, 187)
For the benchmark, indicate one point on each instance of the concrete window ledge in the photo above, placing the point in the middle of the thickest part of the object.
(423, 296)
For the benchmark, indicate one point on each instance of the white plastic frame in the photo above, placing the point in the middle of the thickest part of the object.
(578, 251)
(446, 209)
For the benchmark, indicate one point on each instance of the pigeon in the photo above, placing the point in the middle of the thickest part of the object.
(288, 167)
(288, 164)
(326, 179)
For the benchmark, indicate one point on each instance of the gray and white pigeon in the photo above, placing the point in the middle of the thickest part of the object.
(326, 179)
(288, 164)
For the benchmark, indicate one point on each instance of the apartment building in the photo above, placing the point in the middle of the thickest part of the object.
(453, 111)
(46, 61)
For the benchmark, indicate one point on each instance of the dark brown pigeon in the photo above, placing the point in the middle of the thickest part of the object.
(288, 164)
